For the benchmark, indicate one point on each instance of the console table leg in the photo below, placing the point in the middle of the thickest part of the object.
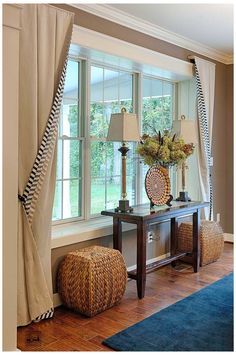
(141, 258)
(173, 235)
(117, 234)
(196, 240)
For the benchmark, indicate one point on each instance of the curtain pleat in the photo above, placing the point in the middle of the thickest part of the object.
(44, 43)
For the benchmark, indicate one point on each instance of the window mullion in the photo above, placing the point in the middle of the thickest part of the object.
(87, 142)
(175, 117)
(175, 102)
(137, 99)
(79, 98)
(162, 98)
(62, 175)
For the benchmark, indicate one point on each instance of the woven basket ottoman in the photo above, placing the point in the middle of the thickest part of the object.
(211, 240)
(92, 279)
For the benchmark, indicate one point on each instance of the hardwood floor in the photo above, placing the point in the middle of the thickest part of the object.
(69, 331)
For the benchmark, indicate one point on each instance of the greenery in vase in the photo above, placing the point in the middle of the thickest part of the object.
(165, 150)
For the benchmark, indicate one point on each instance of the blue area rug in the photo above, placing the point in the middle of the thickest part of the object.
(200, 322)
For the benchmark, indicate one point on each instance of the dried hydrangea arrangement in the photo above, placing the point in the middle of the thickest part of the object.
(164, 150)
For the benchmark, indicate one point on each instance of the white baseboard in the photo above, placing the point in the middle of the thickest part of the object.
(228, 237)
(57, 300)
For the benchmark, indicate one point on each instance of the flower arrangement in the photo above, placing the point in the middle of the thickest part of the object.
(164, 150)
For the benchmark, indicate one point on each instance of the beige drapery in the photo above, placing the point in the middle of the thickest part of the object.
(45, 37)
(205, 84)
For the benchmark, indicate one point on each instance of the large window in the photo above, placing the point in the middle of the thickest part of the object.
(88, 167)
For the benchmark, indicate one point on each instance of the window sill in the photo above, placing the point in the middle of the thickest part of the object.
(76, 232)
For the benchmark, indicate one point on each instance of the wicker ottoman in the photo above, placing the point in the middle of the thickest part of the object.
(211, 240)
(92, 279)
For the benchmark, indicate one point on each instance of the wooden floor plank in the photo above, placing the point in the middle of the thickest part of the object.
(70, 331)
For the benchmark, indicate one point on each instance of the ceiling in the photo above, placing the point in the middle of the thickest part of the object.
(208, 24)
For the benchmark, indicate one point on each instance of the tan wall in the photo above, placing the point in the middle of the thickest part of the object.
(222, 127)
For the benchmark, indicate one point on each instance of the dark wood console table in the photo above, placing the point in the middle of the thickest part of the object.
(143, 217)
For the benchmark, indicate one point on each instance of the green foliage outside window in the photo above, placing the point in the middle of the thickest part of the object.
(73, 120)
(75, 160)
(157, 113)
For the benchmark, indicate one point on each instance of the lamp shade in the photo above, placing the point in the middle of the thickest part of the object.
(123, 127)
(186, 129)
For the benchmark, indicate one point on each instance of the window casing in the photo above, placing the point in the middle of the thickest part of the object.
(88, 167)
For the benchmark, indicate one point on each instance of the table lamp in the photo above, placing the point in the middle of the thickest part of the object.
(123, 128)
(186, 129)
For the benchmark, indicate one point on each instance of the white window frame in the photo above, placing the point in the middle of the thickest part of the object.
(131, 55)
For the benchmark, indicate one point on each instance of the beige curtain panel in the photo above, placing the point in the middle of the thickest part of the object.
(205, 84)
(44, 43)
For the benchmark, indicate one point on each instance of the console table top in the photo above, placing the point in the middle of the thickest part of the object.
(144, 212)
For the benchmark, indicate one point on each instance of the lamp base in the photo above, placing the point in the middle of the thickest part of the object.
(183, 196)
(124, 206)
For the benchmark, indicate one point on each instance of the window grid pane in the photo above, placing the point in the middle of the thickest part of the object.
(157, 115)
(110, 91)
(68, 192)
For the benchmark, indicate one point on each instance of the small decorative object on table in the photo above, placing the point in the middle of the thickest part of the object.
(157, 185)
(92, 279)
(161, 152)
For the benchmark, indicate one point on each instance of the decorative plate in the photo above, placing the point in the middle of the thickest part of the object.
(157, 185)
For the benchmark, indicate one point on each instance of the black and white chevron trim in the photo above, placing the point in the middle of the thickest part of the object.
(46, 315)
(204, 132)
(33, 187)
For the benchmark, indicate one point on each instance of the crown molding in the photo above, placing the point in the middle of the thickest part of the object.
(137, 24)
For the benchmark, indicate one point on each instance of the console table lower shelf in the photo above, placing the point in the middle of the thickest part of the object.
(157, 264)
(142, 217)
